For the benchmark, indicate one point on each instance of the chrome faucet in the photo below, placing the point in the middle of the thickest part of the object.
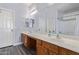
(58, 36)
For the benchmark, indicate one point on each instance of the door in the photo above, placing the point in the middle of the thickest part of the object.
(6, 28)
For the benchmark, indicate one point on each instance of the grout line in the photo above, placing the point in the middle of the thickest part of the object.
(21, 50)
(18, 51)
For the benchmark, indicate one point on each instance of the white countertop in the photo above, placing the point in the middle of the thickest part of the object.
(68, 43)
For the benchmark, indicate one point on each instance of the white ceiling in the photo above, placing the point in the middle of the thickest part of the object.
(62, 7)
(21, 8)
(69, 7)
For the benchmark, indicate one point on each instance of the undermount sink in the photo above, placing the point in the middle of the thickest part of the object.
(53, 37)
(69, 41)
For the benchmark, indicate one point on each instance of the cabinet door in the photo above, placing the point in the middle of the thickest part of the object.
(23, 39)
(38, 43)
(31, 43)
(53, 49)
(50, 52)
(42, 51)
(63, 51)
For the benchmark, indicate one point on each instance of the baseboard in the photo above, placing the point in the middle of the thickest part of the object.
(18, 43)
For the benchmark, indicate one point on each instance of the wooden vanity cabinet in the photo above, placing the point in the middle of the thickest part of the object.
(22, 38)
(64, 51)
(44, 47)
(40, 49)
(25, 40)
(32, 43)
(51, 48)
(52, 53)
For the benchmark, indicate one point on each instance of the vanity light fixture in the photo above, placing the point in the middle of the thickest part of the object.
(34, 12)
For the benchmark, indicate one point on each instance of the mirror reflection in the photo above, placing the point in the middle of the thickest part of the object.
(55, 18)
(67, 25)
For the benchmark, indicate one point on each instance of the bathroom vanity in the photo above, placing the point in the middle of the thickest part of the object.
(47, 46)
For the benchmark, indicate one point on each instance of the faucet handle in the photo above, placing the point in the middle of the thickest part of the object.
(58, 36)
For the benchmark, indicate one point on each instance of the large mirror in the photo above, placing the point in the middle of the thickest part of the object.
(67, 25)
(45, 18)
(68, 19)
